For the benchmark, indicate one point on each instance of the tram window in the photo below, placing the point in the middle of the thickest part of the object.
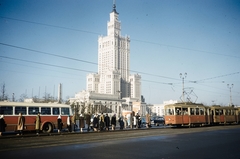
(56, 111)
(65, 111)
(6, 110)
(197, 111)
(46, 110)
(220, 112)
(33, 110)
(169, 112)
(185, 111)
(22, 110)
(192, 111)
(201, 110)
(178, 111)
(216, 112)
(227, 112)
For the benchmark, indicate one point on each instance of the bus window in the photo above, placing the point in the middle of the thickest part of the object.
(65, 111)
(46, 110)
(178, 111)
(185, 111)
(6, 110)
(22, 110)
(56, 111)
(33, 110)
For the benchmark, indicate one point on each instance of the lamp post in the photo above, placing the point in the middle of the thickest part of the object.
(183, 76)
(230, 88)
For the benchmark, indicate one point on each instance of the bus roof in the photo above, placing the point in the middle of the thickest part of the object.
(4, 103)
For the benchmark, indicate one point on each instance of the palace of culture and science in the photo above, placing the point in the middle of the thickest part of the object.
(112, 89)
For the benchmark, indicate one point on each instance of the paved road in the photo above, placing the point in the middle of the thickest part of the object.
(205, 142)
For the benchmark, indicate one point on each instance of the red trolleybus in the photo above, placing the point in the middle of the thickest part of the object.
(49, 114)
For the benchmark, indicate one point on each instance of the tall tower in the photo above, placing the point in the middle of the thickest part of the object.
(113, 59)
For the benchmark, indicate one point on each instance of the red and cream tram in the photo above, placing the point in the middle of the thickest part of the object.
(192, 114)
(49, 114)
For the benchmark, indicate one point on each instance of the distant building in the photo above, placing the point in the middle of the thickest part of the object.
(113, 75)
(158, 109)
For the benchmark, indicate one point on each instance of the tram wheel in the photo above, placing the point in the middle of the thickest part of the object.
(47, 128)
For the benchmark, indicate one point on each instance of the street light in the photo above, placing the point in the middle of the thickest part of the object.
(230, 88)
(183, 76)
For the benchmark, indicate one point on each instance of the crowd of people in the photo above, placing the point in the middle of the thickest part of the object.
(96, 122)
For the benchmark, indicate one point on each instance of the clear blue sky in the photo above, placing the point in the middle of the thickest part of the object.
(168, 37)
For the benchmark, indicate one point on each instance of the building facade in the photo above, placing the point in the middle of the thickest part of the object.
(113, 75)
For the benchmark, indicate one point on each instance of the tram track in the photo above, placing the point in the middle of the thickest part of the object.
(26, 142)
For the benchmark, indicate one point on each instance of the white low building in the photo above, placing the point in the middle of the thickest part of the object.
(158, 109)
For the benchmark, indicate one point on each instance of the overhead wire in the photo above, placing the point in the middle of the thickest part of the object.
(90, 32)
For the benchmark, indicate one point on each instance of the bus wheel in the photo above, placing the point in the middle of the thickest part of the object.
(47, 128)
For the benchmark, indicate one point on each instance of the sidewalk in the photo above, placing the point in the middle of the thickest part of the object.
(65, 132)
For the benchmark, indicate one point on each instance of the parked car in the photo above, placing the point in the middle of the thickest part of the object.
(159, 120)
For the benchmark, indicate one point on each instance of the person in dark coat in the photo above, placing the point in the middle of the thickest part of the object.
(121, 123)
(81, 122)
(59, 123)
(2, 124)
(95, 122)
(113, 122)
(107, 122)
(138, 120)
(88, 121)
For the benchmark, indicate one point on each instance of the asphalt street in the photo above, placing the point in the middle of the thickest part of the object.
(165, 143)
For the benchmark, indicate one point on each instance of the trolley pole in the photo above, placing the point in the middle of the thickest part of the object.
(230, 88)
(183, 77)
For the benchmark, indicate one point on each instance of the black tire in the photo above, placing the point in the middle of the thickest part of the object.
(47, 128)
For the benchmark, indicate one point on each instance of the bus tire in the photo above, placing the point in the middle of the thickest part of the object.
(47, 128)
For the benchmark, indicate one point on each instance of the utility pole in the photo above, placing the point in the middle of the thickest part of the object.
(183, 77)
(230, 88)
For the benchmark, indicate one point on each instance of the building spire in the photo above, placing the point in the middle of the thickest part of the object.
(114, 7)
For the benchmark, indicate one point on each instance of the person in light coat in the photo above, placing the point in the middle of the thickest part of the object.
(20, 124)
(148, 120)
(69, 124)
(38, 123)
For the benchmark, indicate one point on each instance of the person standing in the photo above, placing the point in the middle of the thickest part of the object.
(2, 124)
(121, 123)
(101, 122)
(148, 121)
(95, 122)
(134, 122)
(69, 125)
(38, 123)
(107, 122)
(81, 122)
(60, 124)
(113, 122)
(138, 121)
(88, 121)
(20, 124)
(73, 121)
